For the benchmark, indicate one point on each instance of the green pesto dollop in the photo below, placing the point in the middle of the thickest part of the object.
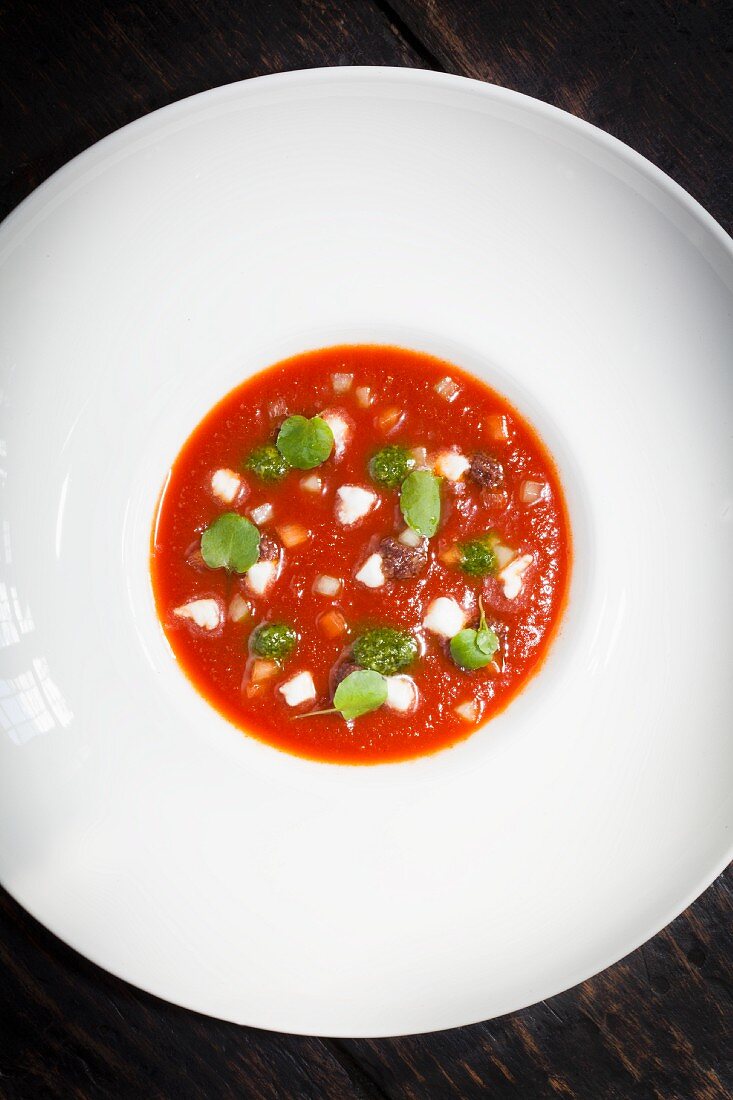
(274, 640)
(391, 465)
(385, 650)
(267, 463)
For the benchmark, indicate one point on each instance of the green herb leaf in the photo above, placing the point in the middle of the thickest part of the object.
(232, 543)
(305, 443)
(359, 693)
(385, 650)
(274, 640)
(472, 649)
(420, 502)
(267, 463)
(391, 465)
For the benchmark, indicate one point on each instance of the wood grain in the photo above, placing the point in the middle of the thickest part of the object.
(658, 75)
(71, 74)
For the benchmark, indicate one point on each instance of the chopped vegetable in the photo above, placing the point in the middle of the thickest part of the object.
(410, 538)
(232, 542)
(311, 484)
(391, 465)
(363, 396)
(503, 555)
(239, 609)
(532, 491)
(326, 585)
(472, 649)
(260, 675)
(447, 388)
(497, 428)
(385, 650)
(420, 454)
(305, 443)
(450, 556)
(420, 502)
(477, 557)
(341, 382)
(267, 463)
(261, 514)
(292, 534)
(468, 711)
(274, 640)
(388, 419)
(332, 623)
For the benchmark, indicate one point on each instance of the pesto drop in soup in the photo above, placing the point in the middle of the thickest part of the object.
(361, 554)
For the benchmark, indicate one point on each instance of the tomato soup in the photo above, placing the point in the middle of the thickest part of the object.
(361, 554)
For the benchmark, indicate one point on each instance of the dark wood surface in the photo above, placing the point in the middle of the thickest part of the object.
(657, 74)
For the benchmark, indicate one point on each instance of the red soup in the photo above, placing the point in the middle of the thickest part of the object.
(361, 554)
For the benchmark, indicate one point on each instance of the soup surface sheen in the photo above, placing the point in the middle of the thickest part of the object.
(269, 643)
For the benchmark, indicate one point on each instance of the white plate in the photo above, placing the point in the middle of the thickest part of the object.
(208, 240)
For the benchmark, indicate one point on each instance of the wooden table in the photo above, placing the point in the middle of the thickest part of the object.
(657, 74)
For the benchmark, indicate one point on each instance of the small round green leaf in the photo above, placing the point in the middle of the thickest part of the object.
(232, 542)
(305, 443)
(420, 502)
(359, 693)
(468, 653)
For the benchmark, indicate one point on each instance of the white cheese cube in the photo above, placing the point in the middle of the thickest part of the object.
(445, 617)
(300, 689)
(261, 576)
(226, 485)
(402, 694)
(451, 465)
(353, 503)
(512, 575)
(204, 613)
(341, 428)
(371, 573)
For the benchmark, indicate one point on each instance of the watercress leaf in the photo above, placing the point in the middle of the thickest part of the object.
(232, 542)
(465, 651)
(359, 693)
(420, 502)
(305, 443)
(487, 641)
